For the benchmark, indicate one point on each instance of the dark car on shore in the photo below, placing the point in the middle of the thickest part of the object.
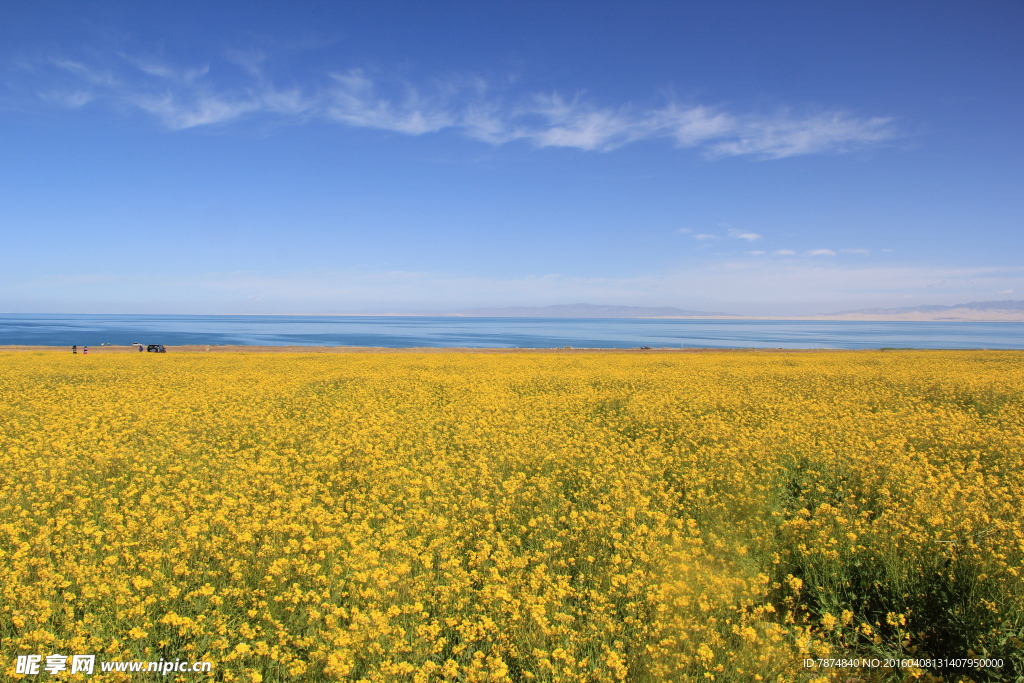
(156, 348)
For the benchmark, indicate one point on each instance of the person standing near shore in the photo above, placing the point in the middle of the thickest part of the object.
(74, 348)
(85, 350)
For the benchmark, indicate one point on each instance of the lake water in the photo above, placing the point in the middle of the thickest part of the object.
(407, 332)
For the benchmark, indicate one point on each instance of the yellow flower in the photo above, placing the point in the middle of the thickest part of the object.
(829, 621)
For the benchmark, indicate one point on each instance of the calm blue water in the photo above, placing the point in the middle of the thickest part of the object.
(405, 332)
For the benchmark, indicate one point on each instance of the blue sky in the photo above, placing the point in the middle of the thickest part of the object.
(760, 158)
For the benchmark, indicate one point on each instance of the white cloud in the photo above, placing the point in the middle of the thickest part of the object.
(704, 237)
(249, 60)
(684, 231)
(1005, 291)
(71, 99)
(551, 121)
(183, 76)
(202, 111)
(755, 253)
(821, 252)
(354, 101)
(785, 136)
(189, 97)
(95, 77)
(854, 251)
(692, 126)
(739, 234)
(784, 252)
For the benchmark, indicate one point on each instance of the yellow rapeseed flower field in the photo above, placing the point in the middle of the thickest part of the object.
(580, 517)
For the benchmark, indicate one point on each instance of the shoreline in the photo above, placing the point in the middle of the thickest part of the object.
(241, 348)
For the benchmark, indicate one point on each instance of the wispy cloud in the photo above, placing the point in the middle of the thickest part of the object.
(784, 135)
(784, 252)
(740, 235)
(71, 99)
(705, 237)
(354, 100)
(182, 98)
(87, 74)
(821, 252)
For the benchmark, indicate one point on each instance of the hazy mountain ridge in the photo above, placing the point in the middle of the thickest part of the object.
(974, 311)
(1008, 310)
(587, 311)
(1008, 305)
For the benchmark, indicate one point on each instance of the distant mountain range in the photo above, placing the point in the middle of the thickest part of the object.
(980, 311)
(1000, 306)
(587, 311)
(1009, 310)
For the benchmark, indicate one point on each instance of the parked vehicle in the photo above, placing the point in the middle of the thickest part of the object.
(156, 348)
